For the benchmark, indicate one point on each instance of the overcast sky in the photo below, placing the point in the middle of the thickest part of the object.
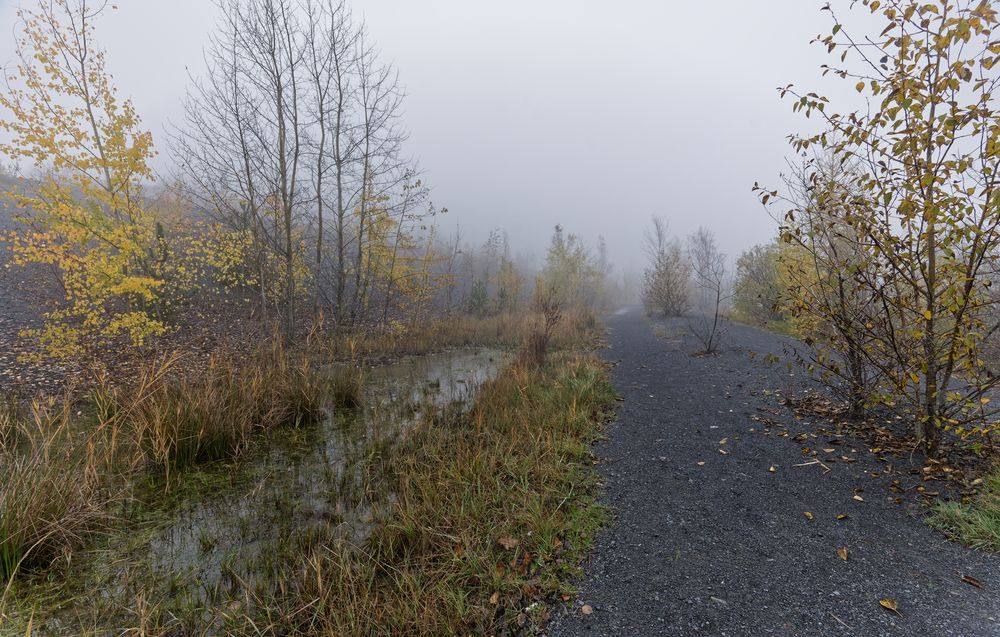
(528, 113)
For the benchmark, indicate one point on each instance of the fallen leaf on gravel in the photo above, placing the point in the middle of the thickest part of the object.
(701, 464)
(842, 516)
(724, 441)
(843, 553)
(808, 515)
(773, 469)
(508, 543)
(890, 604)
(972, 581)
(828, 450)
(723, 452)
(566, 598)
(859, 498)
(587, 609)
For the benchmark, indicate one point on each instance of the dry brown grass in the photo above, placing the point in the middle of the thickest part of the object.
(52, 495)
(507, 331)
(65, 462)
(492, 512)
(178, 418)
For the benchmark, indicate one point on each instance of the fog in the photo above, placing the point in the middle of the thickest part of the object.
(525, 114)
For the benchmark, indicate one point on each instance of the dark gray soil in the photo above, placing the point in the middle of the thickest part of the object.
(28, 292)
(725, 548)
(24, 294)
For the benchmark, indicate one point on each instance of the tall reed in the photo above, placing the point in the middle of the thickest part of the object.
(52, 493)
(64, 462)
(178, 416)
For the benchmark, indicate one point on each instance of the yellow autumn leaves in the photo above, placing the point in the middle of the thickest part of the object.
(87, 217)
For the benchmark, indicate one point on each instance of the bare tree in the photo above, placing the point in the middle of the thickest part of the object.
(326, 23)
(296, 120)
(410, 210)
(379, 101)
(454, 249)
(242, 149)
(708, 266)
(333, 55)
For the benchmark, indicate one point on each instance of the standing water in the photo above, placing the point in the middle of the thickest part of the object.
(231, 527)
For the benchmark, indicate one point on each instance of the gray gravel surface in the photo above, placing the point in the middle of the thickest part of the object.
(25, 292)
(725, 548)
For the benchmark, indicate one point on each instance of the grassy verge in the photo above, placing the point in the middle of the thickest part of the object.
(493, 511)
(975, 523)
(782, 327)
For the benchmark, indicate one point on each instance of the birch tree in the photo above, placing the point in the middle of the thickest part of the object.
(87, 217)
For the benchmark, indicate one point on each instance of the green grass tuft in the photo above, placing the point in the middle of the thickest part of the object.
(976, 523)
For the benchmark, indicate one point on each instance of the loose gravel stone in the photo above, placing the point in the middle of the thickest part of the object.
(709, 544)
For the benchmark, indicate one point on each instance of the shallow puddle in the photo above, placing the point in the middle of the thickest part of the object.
(234, 525)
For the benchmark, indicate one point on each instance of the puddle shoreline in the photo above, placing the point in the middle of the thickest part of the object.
(232, 526)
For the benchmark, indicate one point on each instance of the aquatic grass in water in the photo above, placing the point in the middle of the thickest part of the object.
(67, 467)
(181, 419)
(491, 513)
(52, 496)
(232, 533)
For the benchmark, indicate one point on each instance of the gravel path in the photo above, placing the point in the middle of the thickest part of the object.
(725, 548)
